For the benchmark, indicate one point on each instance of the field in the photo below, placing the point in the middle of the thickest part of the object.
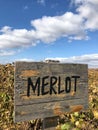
(85, 120)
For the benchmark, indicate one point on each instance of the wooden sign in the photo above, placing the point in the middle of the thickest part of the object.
(49, 89)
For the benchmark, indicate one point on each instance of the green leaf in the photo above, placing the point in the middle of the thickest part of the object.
(66, 126)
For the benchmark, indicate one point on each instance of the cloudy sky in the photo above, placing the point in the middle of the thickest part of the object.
(35, 30)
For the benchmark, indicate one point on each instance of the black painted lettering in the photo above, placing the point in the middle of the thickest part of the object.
(75, 82)
(44, 84)
(67, 84)
(59, 86)
(37, 85)
(53, 81)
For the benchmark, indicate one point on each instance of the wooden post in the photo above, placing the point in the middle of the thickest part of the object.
(50, 123)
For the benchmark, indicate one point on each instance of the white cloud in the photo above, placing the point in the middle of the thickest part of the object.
(48, 29)
(14, 38)
(6, 53)
(25, 59)
(5, 29)
(85, 1)
(41, 2)
(91, 60)
(88, 10)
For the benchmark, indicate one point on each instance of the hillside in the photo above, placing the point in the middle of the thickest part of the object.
(77, 121)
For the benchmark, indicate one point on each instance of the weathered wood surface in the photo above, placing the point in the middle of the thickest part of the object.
(47, 103)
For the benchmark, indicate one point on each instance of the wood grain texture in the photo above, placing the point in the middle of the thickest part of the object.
(48, 105)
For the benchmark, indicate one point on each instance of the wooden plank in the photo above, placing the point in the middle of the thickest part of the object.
(29, 112)
(49, 89)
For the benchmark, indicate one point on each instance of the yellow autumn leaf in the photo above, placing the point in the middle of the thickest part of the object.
(95, 112)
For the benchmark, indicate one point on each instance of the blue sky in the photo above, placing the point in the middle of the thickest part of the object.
(35, 30)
